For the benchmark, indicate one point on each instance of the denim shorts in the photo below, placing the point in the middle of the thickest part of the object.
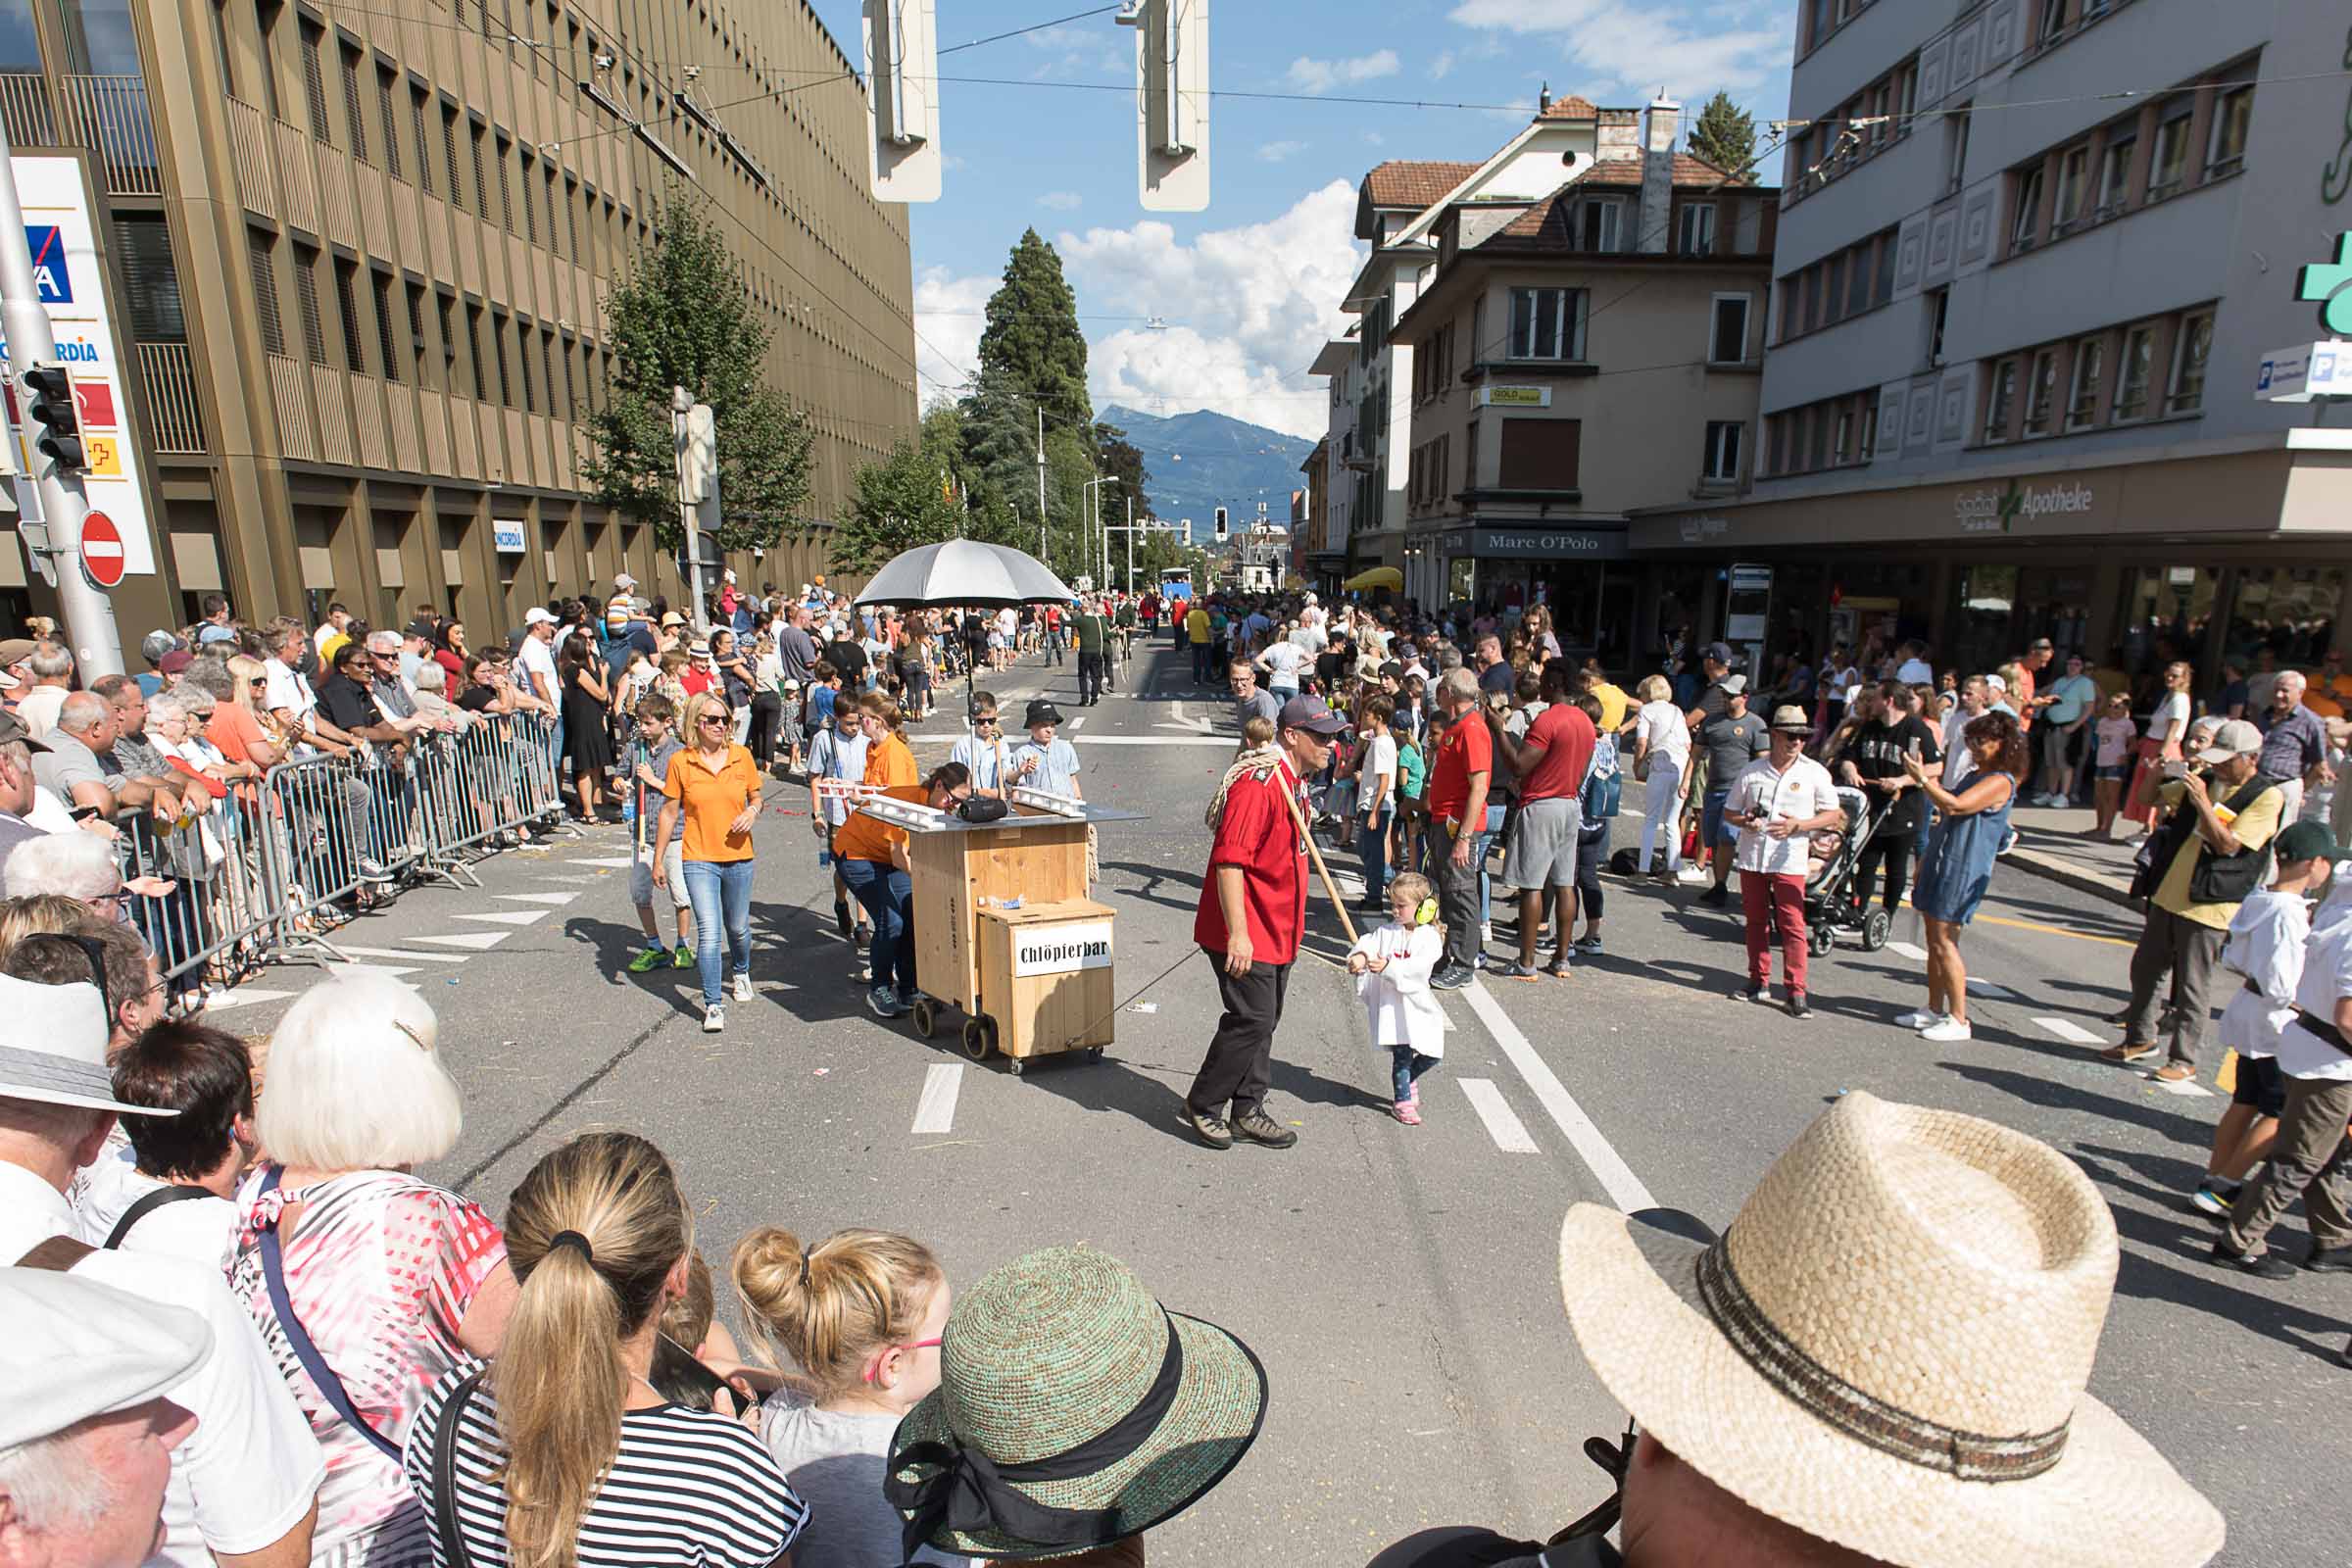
(1710, 824)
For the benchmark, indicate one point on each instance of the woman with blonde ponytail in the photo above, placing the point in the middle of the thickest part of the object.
(559, 1453)
(856, 1321)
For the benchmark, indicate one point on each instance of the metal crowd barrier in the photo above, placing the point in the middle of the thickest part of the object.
(270, 870)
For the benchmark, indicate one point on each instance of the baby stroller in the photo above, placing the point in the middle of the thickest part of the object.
(1830, 903)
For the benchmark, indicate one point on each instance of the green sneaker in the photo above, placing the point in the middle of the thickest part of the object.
(683, 958)
(650, 959)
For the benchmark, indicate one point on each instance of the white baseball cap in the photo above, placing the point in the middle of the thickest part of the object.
(730, 575)
(53, 1047)
(624, 582)
(1996, 683)
(535, 615)
(72, 1348)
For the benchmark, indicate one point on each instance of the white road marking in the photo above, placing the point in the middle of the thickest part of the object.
(573, 881)
(1991, 992)
(617, 863)
(2072, 1033)
(478, 941)
(371, 968)
(399, 955)
(556, 898)
(935, 1110)
(1226, 741)
(2186, 1088)
(505, 916)
(1616, 1178)
(1502, 1123)
(1915, 954)
(1078, 723)
(244, 998)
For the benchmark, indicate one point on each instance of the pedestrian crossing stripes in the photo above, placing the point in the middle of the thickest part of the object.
(1503, 1125)
(935, 1108)
(1616, 1177)
(2186, 1088)
(556, 898)
(245, 997)
(1991, 992)
(400, 955)
(2074, 1034)
(1917, 954)
(503, 916)
(478, 941)
(617, 862)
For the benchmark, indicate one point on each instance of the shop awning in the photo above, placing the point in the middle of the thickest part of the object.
(1387, 577)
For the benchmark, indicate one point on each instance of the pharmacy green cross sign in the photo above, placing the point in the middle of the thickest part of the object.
(2328, 284)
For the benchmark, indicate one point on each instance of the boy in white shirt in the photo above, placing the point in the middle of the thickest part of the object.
(982, 751)
(838, 751)
(1391, 966)
(1044, 761)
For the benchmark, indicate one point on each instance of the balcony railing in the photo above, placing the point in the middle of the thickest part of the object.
(105, 115)
(175, 409)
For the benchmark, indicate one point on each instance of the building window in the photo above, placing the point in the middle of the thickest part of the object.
(2115, 172)
(473, 352)
(2168, 171)
(306, 302)
(2192, 346)
(1940, 311)
(387, 115)
(1539, 454)
(522, 366)
(1724, 440)
(385, 343)
(1870, 428)
(2090, 368)
(448, 155)
(1547, 323)
(1697, 233)
(530, 211)
(1600, 219)
(2135, 374)
(1955, 151)
(498, 346)
(2001, 403)
(2053, 21)
(346, 306)
(2232, 117)
(265, 292)
(1727, 343)
(314, 79)
(150, 278)
(1780, 442)
(355, 115)
(2024, 222)
(504, 155)
(2041, 392)
(481, 184)
(2074, 186)
(1841, 450)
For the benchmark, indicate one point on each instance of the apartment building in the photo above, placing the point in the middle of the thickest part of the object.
(357, 260)
(1576, 358)
(2032, 255)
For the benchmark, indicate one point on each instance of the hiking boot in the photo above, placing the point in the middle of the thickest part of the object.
(1210, 1128)
(1260, 1128)
(649, 960)
(2263, 1266)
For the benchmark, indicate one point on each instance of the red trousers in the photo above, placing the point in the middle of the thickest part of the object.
(1785, 898)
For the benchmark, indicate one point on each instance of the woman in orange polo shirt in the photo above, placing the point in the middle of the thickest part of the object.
(871, 855)
(715, 785)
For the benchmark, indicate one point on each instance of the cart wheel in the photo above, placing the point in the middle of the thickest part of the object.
(1877, 927)
(926, 1017)
(1094, 1052)
(1014, 1066)
(1822, 939)
(978, 1039)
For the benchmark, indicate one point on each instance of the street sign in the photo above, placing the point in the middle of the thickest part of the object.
(2304, 371)
(102, 550)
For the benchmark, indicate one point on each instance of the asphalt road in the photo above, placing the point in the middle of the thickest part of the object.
(1399, 1284)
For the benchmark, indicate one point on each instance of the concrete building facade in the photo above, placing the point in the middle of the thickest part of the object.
(359, 257)
(2032, 254)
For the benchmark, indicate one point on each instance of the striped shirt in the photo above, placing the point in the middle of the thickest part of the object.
(687, 1487)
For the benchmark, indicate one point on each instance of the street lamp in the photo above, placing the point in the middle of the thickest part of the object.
(1100, 538)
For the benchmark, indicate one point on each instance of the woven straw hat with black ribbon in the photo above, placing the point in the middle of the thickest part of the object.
(1890, 1347)
(1073, 1411)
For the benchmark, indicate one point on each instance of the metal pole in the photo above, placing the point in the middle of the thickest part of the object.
(681, 403)
(1041, 483)
(88, 614)
(1131, 545)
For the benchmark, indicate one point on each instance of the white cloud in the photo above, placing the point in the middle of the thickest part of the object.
(1250, 307)
(1321, 76)
(1274, 152)
(1061, 200)
(1373, 138)
(1442, 67)
(949, 313)
(1635, 47)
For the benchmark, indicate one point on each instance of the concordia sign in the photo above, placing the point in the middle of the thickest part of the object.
(1997, 511)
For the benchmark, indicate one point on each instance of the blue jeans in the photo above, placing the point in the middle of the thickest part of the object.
(721, 892)
(1478, 857)
(887, 893)
(1710, 823)
(1374, 836)
(1201, 663)
(1410, 1065)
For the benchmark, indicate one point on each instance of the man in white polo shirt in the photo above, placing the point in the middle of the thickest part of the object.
(1777, 802)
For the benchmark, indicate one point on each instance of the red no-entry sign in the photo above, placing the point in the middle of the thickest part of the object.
(102, 550)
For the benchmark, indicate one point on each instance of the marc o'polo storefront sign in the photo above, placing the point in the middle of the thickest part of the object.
(1539, 544)
(2000, 511)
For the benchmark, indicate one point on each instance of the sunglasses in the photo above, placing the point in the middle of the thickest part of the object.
(717, 719)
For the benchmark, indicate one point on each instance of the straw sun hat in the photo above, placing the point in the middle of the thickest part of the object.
(1072, 1410)
(1889, 1350)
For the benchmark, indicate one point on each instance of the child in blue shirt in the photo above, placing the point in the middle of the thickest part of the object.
(1045, 762)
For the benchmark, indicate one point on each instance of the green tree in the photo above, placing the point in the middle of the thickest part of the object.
(682, 319)
(1031, 340)
(904, 501)
(1725, 135)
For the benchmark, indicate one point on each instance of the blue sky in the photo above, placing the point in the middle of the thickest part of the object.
(1250, 288)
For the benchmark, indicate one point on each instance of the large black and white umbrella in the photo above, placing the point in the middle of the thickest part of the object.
(964, 572)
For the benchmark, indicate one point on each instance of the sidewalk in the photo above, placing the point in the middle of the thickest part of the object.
(2057, 844)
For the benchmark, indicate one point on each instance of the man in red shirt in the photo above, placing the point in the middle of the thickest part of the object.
(1252, 910)
(1457, 813)
(1549, 766)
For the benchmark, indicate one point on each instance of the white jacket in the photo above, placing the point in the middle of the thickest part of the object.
(1398, 1005)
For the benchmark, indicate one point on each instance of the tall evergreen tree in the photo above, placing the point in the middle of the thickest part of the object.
(1725, 135)
(1031, 340)
(682, 319)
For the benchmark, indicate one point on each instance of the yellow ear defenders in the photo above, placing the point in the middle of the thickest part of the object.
(1427, 913)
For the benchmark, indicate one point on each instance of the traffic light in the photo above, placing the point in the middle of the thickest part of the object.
(1220, 526)
(49, 405)
(1171, 102)
(903, 160)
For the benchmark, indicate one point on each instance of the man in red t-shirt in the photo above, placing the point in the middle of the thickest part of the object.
(1252, 910)
(1550, 763)
(1459, 778)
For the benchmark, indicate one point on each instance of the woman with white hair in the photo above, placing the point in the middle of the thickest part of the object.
(368, 1282)
(75, 865)
(1661, 757)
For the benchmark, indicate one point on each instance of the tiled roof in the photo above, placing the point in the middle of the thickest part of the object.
(1688, 171)
(1569, 108)
(1399, 182)
(1546, 220)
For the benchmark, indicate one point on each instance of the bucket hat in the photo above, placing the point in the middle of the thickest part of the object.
(54, 1048)
(1073, 1411)
(1889, 1349)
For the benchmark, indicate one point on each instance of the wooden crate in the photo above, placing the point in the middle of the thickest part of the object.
(954, 872)
(1067, 1002)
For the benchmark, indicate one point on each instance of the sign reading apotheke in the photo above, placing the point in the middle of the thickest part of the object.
(1999, 511)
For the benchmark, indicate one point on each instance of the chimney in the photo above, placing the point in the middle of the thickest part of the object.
(1665, 122)
(1619, 135)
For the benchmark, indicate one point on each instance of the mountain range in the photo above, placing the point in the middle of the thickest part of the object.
(1202, 460)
